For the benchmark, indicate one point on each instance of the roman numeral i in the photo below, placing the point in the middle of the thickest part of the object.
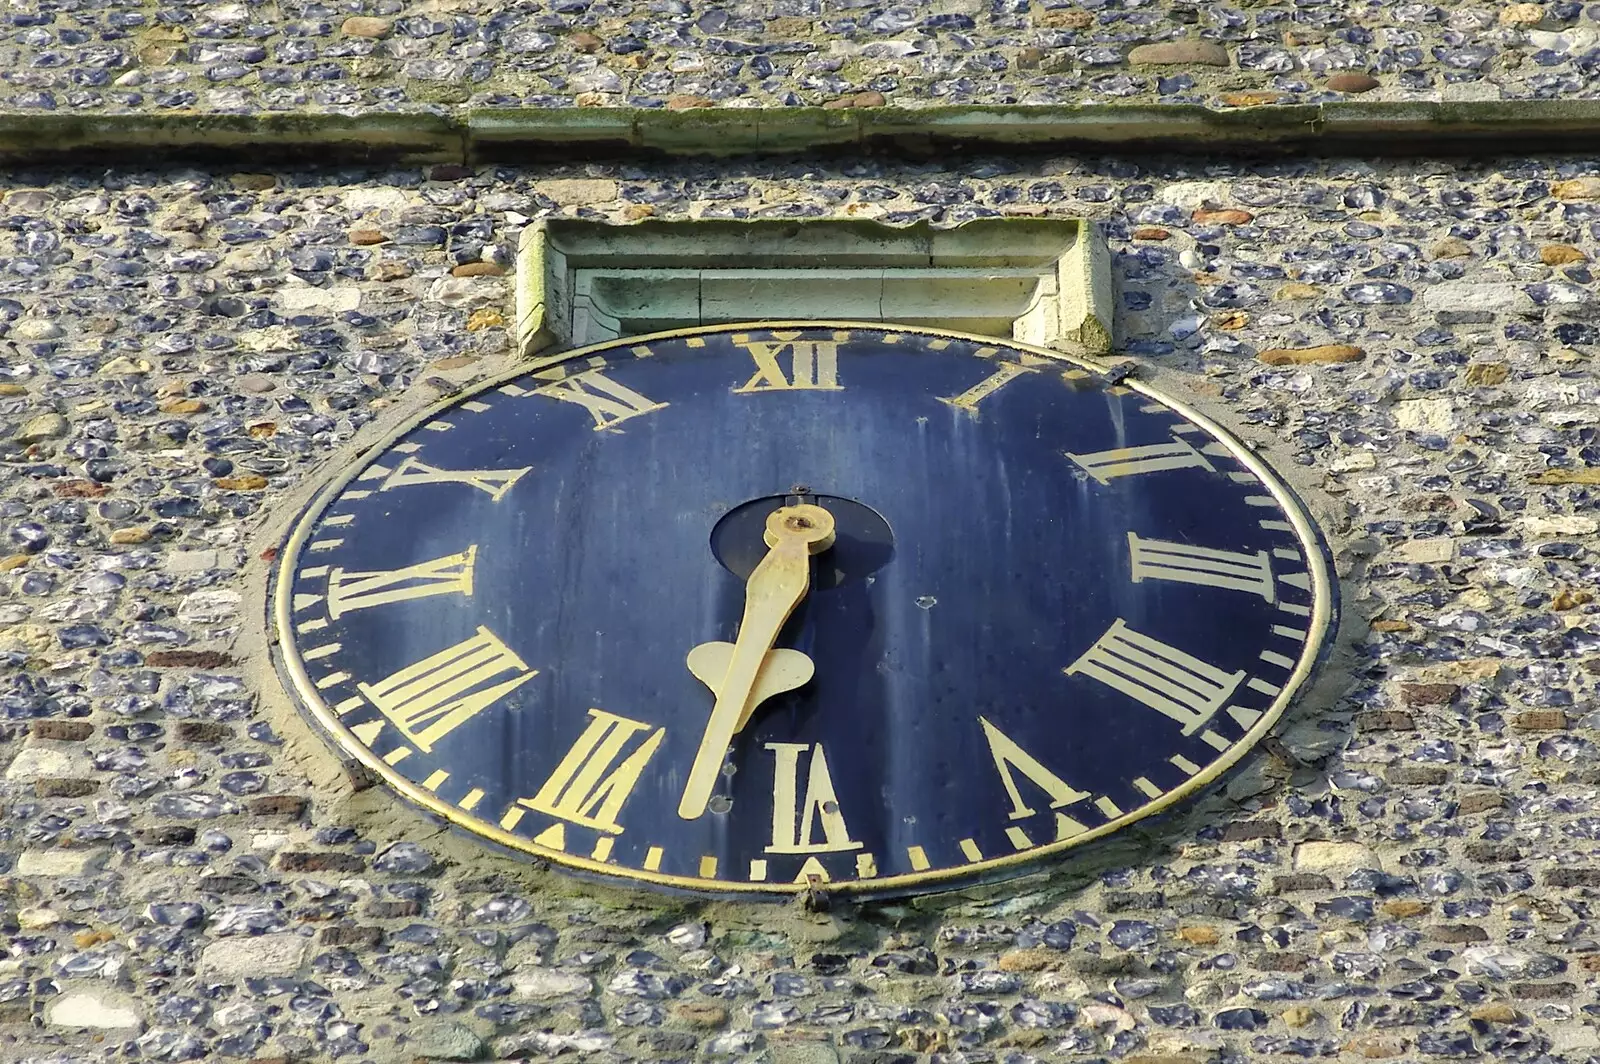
(1003, 375)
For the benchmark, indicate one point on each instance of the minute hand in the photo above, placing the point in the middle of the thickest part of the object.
(776, 586)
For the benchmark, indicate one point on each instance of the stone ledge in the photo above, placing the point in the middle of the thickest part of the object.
(1368, 129)
(247, 139)
(1377, 128)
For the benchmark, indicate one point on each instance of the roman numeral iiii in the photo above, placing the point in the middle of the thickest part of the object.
(1173, 683)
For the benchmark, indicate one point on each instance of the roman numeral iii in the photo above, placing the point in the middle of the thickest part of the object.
(449, 575)
(1162, 677)
(607, 401)
(493, 482)
(592, 781)
(429, 700)
(1155, 559)
(796, 818)
(813, 364)
(1106, 466)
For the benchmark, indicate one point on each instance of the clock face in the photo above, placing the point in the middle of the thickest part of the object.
(762, 607)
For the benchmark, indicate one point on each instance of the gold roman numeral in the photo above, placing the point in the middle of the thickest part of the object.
(813, 364)
(429, 700)
(795, 818)
(607, 401)
(449, 575)
(1106, 466)
(1162, 677)
(590, 784)
(1010, 758)
(1003, 375)
(494, 482)
(1156, 559)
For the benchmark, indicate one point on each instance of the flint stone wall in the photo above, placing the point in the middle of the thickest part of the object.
(392, 55)
(1408, 870)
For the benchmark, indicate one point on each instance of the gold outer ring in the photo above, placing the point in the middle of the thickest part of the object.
(1322, 616)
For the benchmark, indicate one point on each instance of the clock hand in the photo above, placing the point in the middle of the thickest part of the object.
(752, 670)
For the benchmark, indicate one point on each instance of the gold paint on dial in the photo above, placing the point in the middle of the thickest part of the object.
(779, 337)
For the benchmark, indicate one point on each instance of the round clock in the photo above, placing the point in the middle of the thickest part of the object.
(765, 607)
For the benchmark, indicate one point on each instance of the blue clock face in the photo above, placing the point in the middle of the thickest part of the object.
(766, 607)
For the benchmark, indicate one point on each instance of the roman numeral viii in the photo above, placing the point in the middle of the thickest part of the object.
(1155, 559)
(429, 700)
(1162, 677)
(449, 575)
(592, 781)
(813, 364)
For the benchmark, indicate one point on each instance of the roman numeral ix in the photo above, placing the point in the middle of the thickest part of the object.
(449, 575)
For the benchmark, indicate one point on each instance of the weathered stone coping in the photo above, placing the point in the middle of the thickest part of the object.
(1356, 128)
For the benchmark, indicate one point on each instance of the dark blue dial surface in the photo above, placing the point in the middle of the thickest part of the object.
(1053, 605)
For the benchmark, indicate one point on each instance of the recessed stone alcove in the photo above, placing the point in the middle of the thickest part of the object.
(1044, 281)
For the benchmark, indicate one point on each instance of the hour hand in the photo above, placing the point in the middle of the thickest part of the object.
(781, 670)
(774, 589)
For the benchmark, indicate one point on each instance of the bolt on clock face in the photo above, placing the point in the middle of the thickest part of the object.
(760, 608)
